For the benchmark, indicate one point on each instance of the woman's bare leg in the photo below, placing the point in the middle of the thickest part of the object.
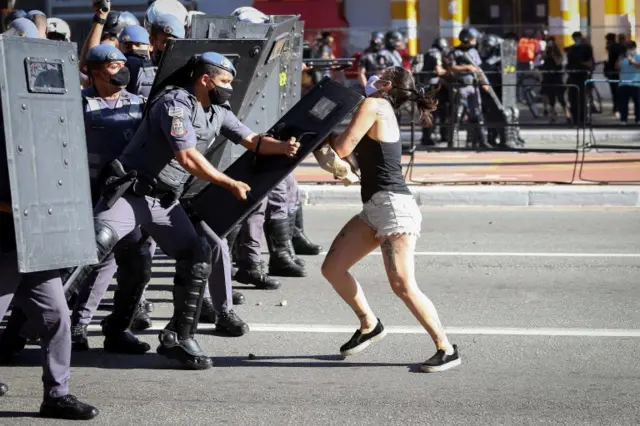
(353, 243)
(398, 255)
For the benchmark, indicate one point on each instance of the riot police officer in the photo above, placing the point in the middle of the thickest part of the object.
(162, 29)
(135, 44)
(433, 74)
(464, 60)
(40, 295)
(489, 49)
(181, 123)
(375, 59)
(393, 42)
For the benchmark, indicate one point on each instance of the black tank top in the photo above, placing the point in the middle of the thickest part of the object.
(380, 167)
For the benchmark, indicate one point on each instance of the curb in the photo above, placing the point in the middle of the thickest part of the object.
(512, 196)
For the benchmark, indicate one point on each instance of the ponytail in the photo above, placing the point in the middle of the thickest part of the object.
(427, 104)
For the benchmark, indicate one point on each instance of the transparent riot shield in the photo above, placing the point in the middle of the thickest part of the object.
(46, 154)
(310, 121)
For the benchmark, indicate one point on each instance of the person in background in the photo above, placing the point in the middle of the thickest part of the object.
(375, 59)
(579, 66)
(615, 52)
(324, 50)
(553, 79)
(629, 88)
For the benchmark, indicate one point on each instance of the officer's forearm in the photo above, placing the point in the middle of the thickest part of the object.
(196, 164)
(363, 78)
(268, 145)
(92, 40)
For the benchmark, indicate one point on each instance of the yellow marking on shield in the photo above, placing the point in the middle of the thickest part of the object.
(283, 79)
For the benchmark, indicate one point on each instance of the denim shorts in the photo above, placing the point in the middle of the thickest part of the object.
(392, 214)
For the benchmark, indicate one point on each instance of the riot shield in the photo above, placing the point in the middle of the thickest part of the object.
(272, 89)
(226, 27)
(46, 153)
(310, 121)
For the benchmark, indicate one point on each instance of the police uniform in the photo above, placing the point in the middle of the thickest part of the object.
(469, 91)
(172, 27)
(109, 127)
(136, 60)
(40, 295)
(492, 66)
(175, 121)
(433, 58)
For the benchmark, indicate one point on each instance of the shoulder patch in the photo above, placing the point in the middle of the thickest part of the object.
(177, 128)
(176, 112)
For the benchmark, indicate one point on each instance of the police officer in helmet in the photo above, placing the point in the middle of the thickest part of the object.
(433, 74)
(181, 124)
(394, 41)
(136, 46)
(465, 61)
(163, 28)
(375, 59)
(39, 294)
(489, 48)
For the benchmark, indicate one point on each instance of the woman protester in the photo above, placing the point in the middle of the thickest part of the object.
(390, 218)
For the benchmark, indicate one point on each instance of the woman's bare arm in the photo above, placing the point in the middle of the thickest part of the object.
(363, 119)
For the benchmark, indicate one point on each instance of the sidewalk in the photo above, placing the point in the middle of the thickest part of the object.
(472, 171)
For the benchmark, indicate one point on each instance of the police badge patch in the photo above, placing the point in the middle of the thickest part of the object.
(177, 127)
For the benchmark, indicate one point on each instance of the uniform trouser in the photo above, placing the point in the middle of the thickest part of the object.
(471, 100)
(94, 288)
(280, 201)
(41, 297)
(169, 225)
(220, 278)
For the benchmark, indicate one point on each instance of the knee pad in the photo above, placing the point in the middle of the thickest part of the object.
(194, 264)
(134, 265)
(106, 238)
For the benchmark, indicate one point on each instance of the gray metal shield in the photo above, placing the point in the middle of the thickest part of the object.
(223, 27)
(46, 154)
(509, 53)
(267, 94)
(310, 121)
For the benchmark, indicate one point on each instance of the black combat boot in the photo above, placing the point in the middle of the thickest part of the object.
(208, 314)
(230, 324)
(238, 298)
(3, 389)
(301, 243)
(281, 263)
(177, 340)
(79, 341)
(67, 408)
(292, 230)
(141, 319)
(11, 341)
(255, 274)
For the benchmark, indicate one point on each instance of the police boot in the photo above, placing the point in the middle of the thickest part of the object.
(238, 298)
(428, 137)
(134, 273)
(301, 243)
(11, 341)
(292, 229)
(281, 263)
(79, 341)
(141, 319)
(208, 314)
(255, 274)
(177, 340)
(230, 324)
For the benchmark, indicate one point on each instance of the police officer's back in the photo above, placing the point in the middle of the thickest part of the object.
(579, 67)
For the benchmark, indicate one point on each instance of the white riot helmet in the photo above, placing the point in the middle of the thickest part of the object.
(56, 26)
(250, 14)
(164, 7)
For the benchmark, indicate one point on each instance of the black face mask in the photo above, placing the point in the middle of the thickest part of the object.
(140, 53)
(220, 95)
(156, 56)
(375, 46)
(121, 78)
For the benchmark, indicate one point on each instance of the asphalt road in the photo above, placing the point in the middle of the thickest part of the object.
(543, 304)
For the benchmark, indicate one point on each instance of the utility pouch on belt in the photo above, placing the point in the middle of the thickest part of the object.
(117, 183)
